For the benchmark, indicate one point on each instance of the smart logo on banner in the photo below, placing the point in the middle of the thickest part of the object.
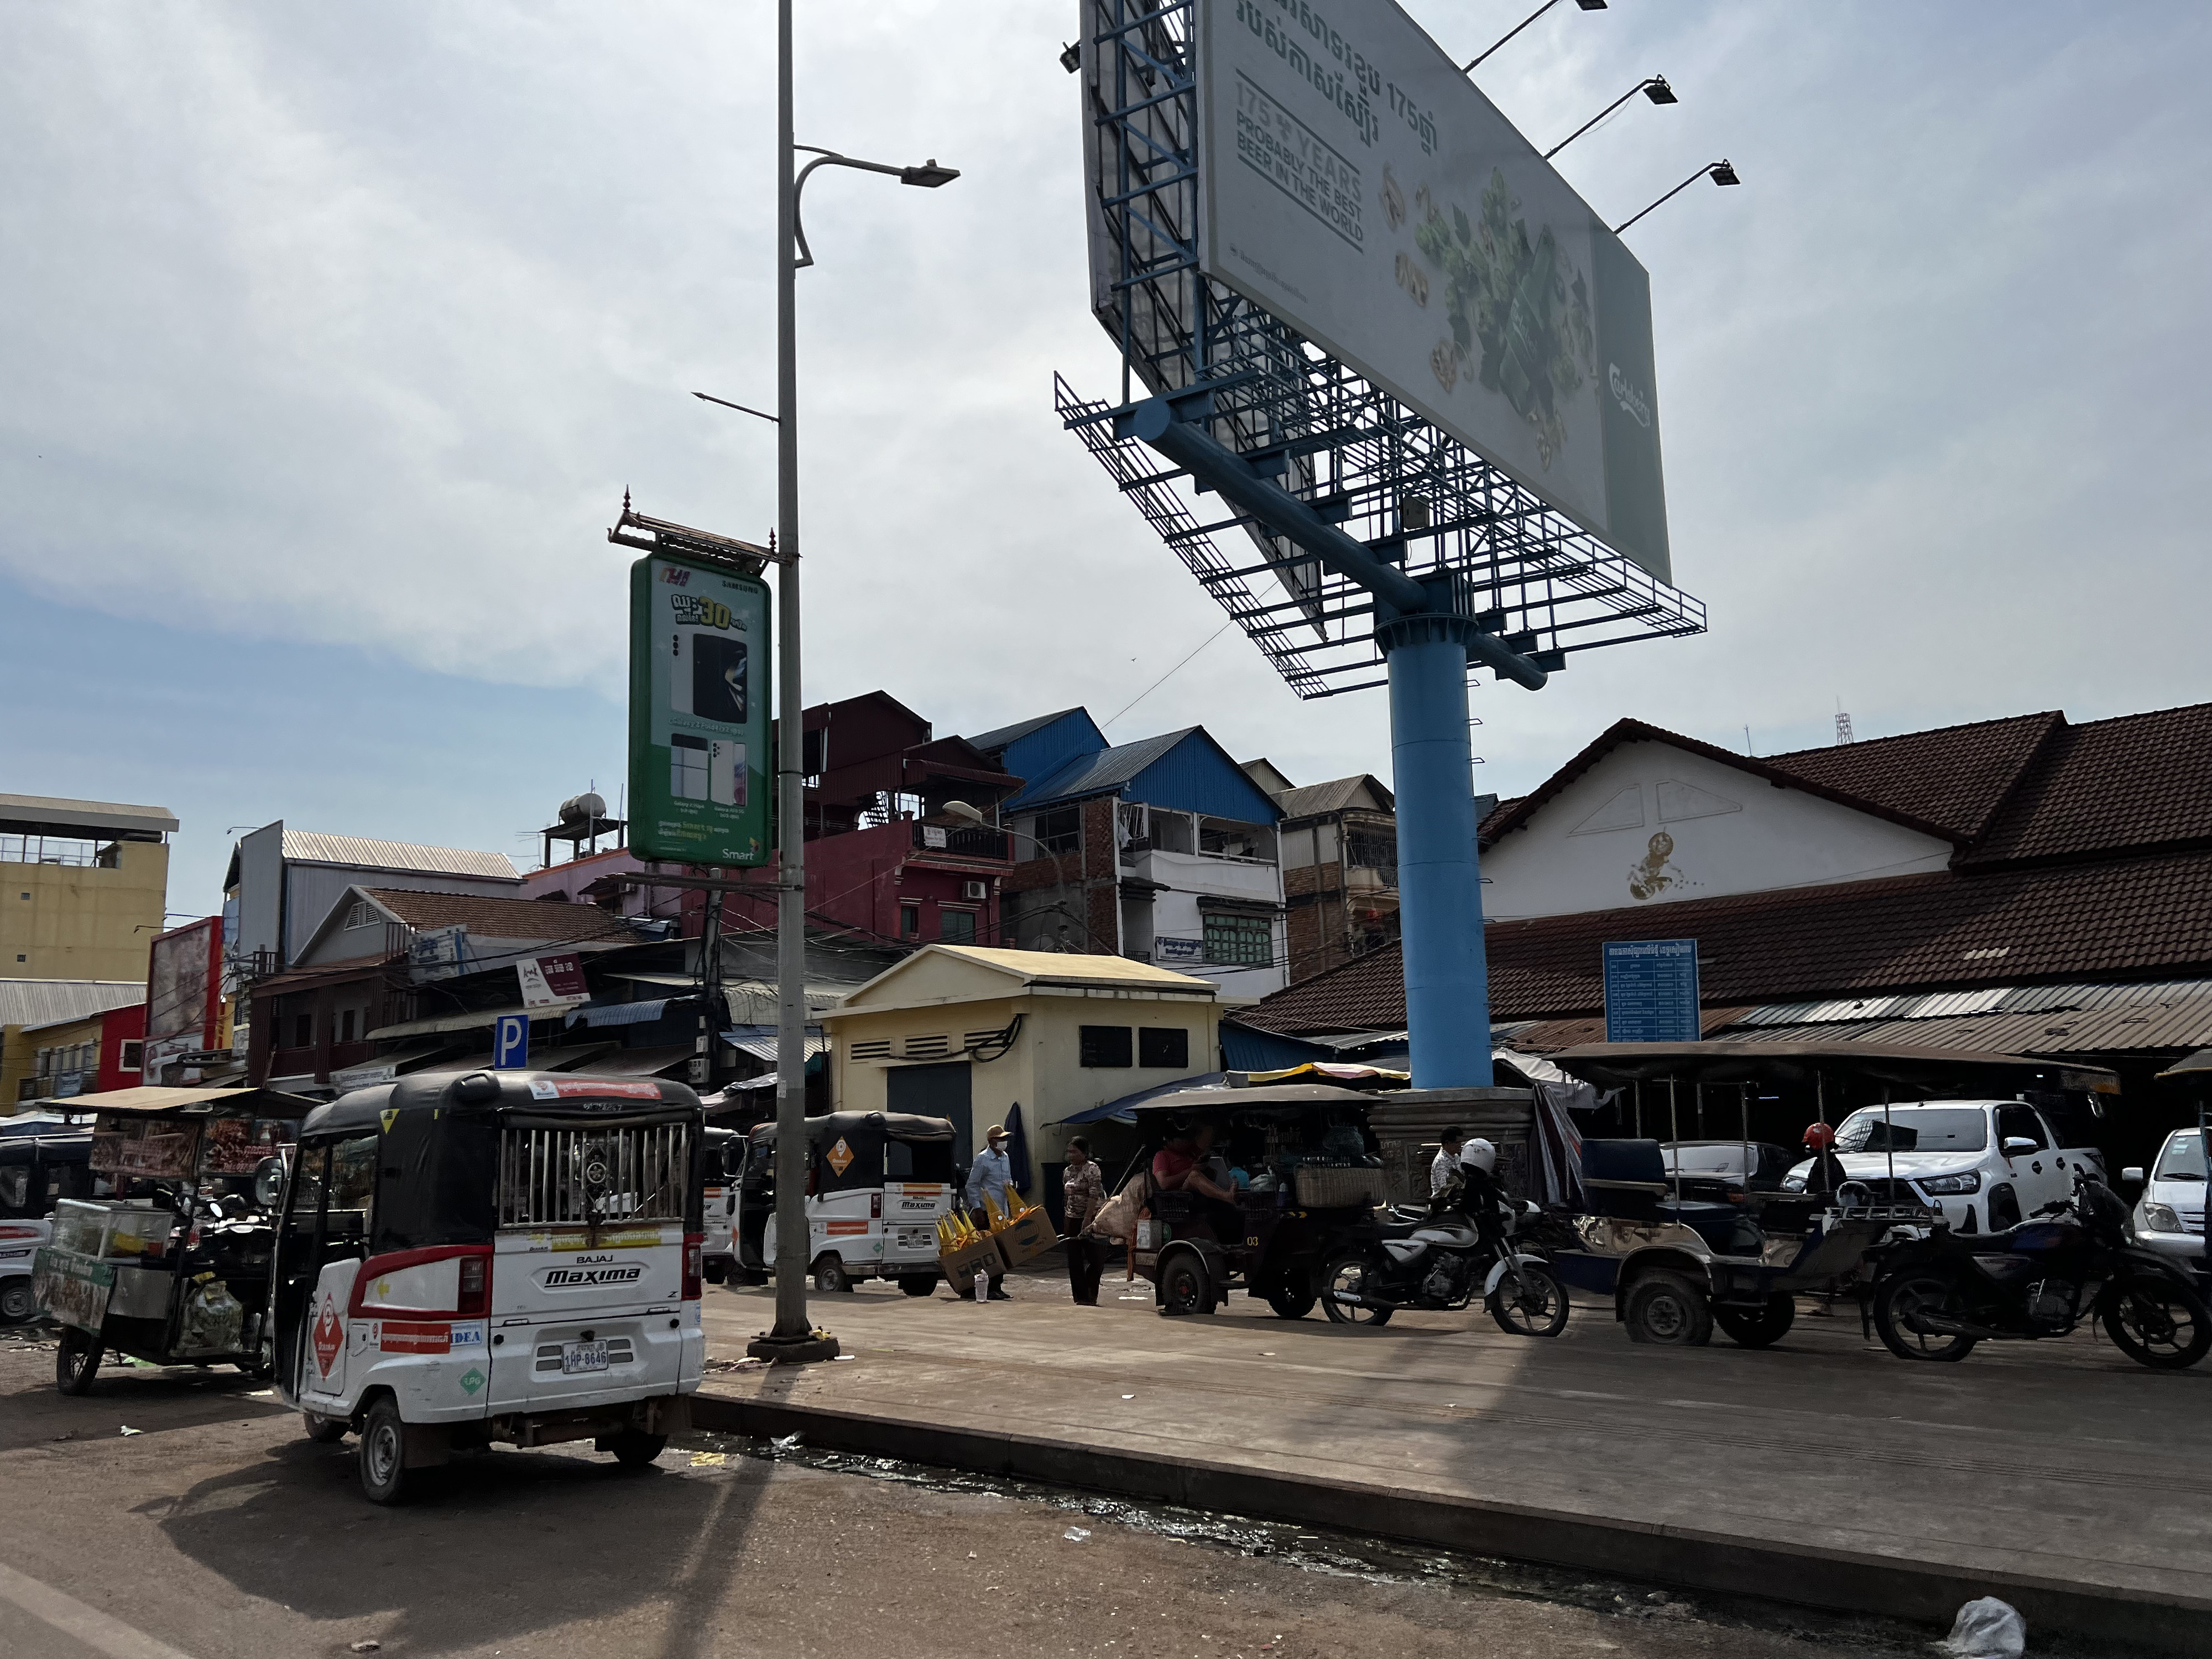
(699, 714)
(1357, 185)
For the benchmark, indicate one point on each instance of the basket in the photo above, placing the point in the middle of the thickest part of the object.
(1322, 1189)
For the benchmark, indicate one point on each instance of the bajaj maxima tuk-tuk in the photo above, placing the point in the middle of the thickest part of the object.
(876, 1184)
(494, 1256)
(167, 1259)
(37, 1172)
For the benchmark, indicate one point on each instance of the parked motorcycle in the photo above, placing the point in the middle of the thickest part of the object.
(1442, 1260)
(1935, 1297)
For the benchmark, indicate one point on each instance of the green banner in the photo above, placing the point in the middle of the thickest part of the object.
(699, 713)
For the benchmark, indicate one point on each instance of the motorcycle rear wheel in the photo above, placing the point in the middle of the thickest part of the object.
(1539, 1310)
(1350, 1274)
(1898, 1301)
(2159, 1322)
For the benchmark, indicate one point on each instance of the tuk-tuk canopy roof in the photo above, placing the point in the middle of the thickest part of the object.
(563, 1094)
(895, 1126)
(1195, 1102)
(196, 1102)
(1610, 1063)
(2196, 1067)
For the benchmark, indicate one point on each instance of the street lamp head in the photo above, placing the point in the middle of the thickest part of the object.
(1723, 173)
(962, 811)
(928, 175)
(1659, 92)
(1591, 5)
(1071, 59)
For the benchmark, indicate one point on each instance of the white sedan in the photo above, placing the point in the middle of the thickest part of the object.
(2169, 1217)
(1986, 1164)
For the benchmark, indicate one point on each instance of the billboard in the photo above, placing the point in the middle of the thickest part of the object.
(184, 994)
(698, 713)
(1358, 186)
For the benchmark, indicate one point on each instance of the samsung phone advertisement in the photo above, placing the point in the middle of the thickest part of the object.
(699, 714)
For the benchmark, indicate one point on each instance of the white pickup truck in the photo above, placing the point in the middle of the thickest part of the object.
(1986, 1164)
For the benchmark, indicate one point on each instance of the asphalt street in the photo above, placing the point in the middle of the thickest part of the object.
(216, 1529)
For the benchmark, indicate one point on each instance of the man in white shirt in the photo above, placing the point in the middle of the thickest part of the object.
(993, 1173)
(1445, 1170)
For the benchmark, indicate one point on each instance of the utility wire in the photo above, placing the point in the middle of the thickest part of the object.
(1163, 678)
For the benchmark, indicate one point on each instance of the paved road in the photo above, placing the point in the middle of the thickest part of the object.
(2062, 1461)
(218, 1532)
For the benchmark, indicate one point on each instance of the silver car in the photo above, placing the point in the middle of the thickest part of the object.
(2169, 1217)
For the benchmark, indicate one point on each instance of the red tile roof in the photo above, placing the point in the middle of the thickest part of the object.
(2138, 781)
(2119, 919)
(1956, 776)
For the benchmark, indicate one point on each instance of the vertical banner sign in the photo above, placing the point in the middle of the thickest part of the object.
(1651, 990)
(699, 714)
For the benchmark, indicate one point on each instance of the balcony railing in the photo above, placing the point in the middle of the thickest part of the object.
(975, 841)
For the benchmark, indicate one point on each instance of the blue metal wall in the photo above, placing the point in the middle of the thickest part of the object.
(1197, 775)
(1035, 755)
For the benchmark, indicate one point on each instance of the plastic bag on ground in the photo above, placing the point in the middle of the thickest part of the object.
(1986, 1629)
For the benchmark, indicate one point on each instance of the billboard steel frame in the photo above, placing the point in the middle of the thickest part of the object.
(1386, 476)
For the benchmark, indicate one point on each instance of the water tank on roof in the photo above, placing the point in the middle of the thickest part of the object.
(583, 809)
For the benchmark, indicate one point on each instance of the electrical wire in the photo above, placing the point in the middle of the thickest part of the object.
(1165, 677)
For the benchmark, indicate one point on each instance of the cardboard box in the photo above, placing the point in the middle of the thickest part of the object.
(959, 1265)
(1027, 1239)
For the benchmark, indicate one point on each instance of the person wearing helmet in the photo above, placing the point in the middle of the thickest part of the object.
(1827, 1172)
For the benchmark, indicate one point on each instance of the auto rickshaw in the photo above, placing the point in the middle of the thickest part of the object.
(1679, 1254)
(876, 1184)
(1311, 1180)
(170, 1263)
(37, 1172)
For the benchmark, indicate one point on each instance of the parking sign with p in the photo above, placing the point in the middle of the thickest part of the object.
(510, 1043)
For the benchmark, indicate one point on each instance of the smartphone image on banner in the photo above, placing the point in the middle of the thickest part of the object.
(706, 676)
(726, 772)
(689, 767)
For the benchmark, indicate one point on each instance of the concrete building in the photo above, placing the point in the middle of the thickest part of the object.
(86, 883)
(1339, 855)
(968, 1033)
(1161, 850)
(32, 1013)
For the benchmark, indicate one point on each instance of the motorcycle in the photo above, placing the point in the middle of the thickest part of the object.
(1936, 1296)
(1443, 1258)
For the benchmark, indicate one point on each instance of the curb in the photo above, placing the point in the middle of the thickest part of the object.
(1847, 1582)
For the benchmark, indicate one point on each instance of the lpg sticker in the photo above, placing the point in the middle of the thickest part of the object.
(472, 1380)
(330, 1336)
(840, 1157)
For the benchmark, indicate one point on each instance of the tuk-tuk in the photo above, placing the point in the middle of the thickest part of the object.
(37, 1172)
(168, 1259)
(718, 1201)
(876, 1184)
(469, 1258)
(1311, 1180)
(1679, 1253)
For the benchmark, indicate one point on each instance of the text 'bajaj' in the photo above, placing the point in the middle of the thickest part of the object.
(499, 1256)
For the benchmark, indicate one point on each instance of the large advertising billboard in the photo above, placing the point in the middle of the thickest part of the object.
(1357, 185)
(184, 994)
(698, 713)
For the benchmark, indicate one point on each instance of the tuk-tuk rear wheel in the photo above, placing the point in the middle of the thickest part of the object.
(829, 1275)
(76, 1361)
(918, 1284)
(1667, 1308)
(18, 1301)
(1759, 1328)
(384, 1454)
(635, 1449)
(1291, 1295)
(1183, 1287)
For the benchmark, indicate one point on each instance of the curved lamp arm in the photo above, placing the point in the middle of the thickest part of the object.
(928, 176)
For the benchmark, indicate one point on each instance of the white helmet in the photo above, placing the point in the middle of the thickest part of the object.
(1481, 1154)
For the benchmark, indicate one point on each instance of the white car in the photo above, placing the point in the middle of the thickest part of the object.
(2169, 1217)
(1985, 1164)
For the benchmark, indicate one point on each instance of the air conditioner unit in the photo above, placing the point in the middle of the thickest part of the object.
(974, 890)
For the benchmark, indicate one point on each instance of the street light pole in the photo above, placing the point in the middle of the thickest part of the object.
(967, 814)
(794, 1337)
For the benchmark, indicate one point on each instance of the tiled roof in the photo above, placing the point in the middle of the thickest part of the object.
(2141, 780)
(2138, 917)
(548, 919)
(1955, 777)
(43, 1001)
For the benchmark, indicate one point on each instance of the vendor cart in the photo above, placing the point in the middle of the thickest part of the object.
(168, 1261)
(1307, 1174)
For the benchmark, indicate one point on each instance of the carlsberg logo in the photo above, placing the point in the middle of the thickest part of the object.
(1637, 405)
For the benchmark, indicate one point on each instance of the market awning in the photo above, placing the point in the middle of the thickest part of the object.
(150, 1098)
(596, 1014)
(473, 1019)
(634, 1062)
(763, 1047)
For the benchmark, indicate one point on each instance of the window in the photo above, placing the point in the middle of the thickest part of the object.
(353, 1183)
(1157, 1045)
(2020, 1122)
(1169, 832)
(1060, 831)
(1226, 838)
(132, 1057)
(1913, 1128)
(362, 913)
(910, 921)
(303, 1030)
(1239, 940)
(345, 1026)
(1104, 1045)
(957, 926)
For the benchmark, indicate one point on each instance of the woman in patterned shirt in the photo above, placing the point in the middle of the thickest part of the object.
(1084, 1190)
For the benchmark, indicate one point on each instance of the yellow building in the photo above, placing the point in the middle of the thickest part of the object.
(50, 1028)
(962, 1032)
(85, 887)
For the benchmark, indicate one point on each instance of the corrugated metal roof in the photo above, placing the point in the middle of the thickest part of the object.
(1099, 772)
(65, 814)
(357, 852)
(1993, 999)
(2177, 1023)
(1001, 736)
(1337, 795)
(49, 1001)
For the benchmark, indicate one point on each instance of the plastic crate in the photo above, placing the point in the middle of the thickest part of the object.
(1324, 1188)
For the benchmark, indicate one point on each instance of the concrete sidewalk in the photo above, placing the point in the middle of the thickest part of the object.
(2074, 1483)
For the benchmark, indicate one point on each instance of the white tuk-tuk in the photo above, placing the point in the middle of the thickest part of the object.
(876, 1184)
(494, 1256)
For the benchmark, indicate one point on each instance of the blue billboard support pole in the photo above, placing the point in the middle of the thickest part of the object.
(1439, 872)
(1427, 635)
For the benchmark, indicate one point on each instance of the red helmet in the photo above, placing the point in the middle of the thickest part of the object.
(1819, 1137)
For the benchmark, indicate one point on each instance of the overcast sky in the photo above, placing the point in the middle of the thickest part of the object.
(330, 337)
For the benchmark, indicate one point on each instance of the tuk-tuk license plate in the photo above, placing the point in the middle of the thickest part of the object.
(577, 1357)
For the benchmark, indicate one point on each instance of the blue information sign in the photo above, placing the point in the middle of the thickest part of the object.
(510, 1043)
(1651, 990)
